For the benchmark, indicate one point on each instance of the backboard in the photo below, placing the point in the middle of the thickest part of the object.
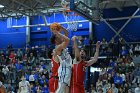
(89, 9)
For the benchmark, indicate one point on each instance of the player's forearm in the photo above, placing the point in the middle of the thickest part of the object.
(96, 55)
(66, 33)
(75, 45)
(95, 58)
(65, 38)
(76, 49)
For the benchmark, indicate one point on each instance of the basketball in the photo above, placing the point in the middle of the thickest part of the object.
(55, 26)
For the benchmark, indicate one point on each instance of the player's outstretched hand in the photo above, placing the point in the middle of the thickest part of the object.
(74, 38)
(98, 44)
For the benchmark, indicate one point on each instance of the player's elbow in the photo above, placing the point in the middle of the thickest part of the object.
(67, 40)
(95, 60)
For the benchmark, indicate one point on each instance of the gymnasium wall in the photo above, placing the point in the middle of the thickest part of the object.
(16, 37)
(39, 35)
(42, 36)
(130, 33)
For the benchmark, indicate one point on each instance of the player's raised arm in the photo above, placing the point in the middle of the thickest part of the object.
(76, 49)
(66, 33)
(55, 27)
(64, 44)
(95, 58)
(59, 39)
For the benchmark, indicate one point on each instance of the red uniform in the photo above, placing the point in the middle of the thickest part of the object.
(53, 81)
(78, 74)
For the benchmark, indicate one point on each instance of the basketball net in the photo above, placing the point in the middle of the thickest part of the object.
(71, 17)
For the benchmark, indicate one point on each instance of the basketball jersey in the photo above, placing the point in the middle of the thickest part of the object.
(65, 58)
(55, 67)
(78, 72)
(64, 71)
(24, 86)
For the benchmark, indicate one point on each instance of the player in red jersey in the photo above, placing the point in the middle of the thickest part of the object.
(79, 67)
(53, 81)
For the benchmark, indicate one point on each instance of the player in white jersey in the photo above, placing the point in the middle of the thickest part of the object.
(61, 52)
(24, 86)
(64, 71)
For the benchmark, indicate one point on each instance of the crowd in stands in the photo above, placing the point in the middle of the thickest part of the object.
(119, 75)
(30, 62)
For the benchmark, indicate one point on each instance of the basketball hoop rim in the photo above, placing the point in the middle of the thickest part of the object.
(68, 11)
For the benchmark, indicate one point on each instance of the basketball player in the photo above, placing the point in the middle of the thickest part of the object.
(53, 81)
(79, 67)
(24, 86)
(64, 72)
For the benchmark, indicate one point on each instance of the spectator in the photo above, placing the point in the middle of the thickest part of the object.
(126, 88)
(38, 89)
(112, 47)
(32, 78)
(33, 90)
(123, 78)
(12, 55)
(131, 50)
(19, 54)
(19, 68)
(25, 61)
(114, 89)
(112, 63)
(100, 89)
(93, 89)
(137, 50)
(118, 80)
(104, 45)
(107, 85)
(45, 89)
(130, 91)
(136, 80)
(98, 83)
(137, 89)
(86, 41)
(123, 52)
(121, 43)
(43, 80)
(120, 90)
(2, 88)
(5, 71)
(27, 76)
(27, 51)
(132, 64)
(31, 61)
(41, 69)
(33, 51)
(43, 52)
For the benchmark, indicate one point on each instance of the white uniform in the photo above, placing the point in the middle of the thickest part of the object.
(24, 87)
(64, 70)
